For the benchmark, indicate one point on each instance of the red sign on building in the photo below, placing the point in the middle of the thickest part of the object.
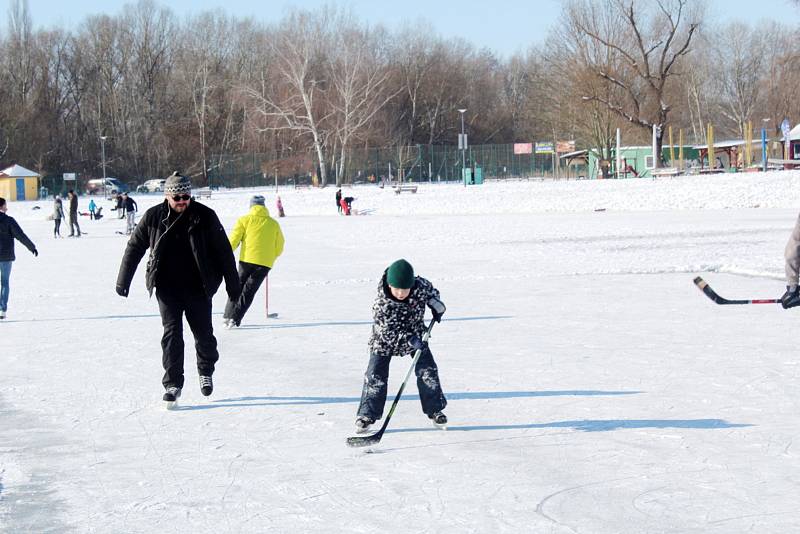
(523, 148)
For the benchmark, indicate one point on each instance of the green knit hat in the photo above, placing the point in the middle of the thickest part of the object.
(400, 274)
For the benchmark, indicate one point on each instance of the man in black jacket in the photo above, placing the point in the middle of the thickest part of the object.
(73, 214)
(189, 256)
(130, 213)
(9, 231)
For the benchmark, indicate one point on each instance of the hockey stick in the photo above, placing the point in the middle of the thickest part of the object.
(266, 299)
(372, 439)
(710, 293)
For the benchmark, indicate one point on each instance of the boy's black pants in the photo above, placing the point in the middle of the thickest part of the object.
(376, 380)
(197, 307)
(250, 278)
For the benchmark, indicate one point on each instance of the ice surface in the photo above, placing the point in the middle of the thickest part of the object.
(591, 386)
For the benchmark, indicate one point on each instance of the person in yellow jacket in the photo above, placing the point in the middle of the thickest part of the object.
(261, 243)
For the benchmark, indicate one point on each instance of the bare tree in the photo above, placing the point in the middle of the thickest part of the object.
(202, 57)
(656, 36)
(359, 88)
(738, 68)
(291, 101)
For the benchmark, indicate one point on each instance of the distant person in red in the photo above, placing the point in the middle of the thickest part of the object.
(346, 204)
(280, 207)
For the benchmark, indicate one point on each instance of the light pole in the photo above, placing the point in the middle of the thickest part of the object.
(462, 142)
(764, 145)
(103, 149)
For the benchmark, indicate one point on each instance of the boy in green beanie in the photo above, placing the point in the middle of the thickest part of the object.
(399, 312)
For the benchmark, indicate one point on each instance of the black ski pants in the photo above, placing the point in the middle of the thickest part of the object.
(197, 307)
(73, 225)
(251, 277)
(376, 380)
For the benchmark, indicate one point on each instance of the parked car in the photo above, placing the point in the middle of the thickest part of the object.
(156, 185)
(105, 186)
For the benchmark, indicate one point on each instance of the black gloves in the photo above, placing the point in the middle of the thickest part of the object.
(791, 298)
(437, 308)
(416, 343)
(122, 291)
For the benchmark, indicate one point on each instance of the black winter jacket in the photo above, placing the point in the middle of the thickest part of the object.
(207, 238)
(10, 230)
(130, 205)
(396, 321)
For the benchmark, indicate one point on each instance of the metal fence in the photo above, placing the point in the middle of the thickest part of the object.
(418, 163)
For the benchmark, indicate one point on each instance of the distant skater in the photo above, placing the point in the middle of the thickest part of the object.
(9, 231)
(58, 215)
(74, 227)
(131, 208)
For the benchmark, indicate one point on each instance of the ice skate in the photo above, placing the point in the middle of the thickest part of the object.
(206, 385)
(171, 396)
(363, 423)
(439, 420)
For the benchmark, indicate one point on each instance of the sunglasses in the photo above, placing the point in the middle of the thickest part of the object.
(184, 197)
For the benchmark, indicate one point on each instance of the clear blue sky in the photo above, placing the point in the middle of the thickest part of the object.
(504, 26)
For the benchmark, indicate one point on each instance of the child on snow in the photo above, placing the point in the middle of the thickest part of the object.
(398, 313)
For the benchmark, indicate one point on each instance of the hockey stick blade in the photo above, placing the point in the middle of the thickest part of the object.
(365, 441)
(703, 286)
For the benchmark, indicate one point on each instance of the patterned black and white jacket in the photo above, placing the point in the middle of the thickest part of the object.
(395, 321)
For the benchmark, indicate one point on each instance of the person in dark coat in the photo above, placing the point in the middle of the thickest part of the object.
(130, 213)
(119, 207)
(339, 200)
(189, 257)
(399, 312)
(73, 214)
(9, 231)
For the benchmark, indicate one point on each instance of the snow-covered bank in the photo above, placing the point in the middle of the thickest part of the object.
(777, 189)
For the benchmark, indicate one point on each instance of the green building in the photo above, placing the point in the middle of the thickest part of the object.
(637, 161)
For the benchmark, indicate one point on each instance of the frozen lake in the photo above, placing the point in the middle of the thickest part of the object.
(592, 388)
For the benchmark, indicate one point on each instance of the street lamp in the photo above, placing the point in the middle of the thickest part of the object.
(462, 142)
(764, 145)
(103, 149)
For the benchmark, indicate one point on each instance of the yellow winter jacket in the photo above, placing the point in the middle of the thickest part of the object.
(260, 236)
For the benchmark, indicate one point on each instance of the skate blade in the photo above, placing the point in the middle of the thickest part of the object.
(362, 430)
(440, 427)
(172, 405)
(272, 316)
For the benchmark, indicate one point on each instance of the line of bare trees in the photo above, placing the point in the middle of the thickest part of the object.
(171, 93)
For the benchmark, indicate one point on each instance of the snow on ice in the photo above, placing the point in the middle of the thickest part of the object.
(591, 386)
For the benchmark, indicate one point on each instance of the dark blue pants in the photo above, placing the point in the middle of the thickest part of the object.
(376, 380)
(197, 308)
